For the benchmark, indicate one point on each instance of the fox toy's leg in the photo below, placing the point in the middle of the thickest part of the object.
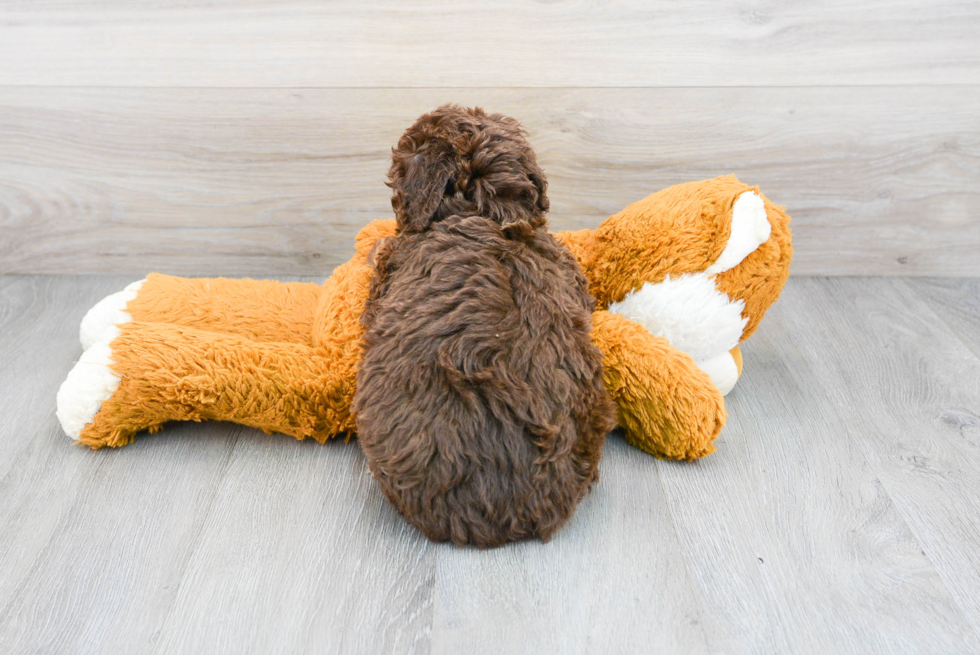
(281, 357)
(144, 374)
(667, 406)
(262, 310)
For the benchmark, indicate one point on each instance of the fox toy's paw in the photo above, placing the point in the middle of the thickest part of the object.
(108, 312)
(684, 425)
(667, 405)
(88, 386)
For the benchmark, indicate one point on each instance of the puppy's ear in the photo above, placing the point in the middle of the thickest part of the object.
(424, 181)
(540, 183)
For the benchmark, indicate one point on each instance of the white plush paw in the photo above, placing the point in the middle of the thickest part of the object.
(109, 311)
(750, 229)
(90, 383)
(722, 370)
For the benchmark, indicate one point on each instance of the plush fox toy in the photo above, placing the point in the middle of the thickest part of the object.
(680, 278)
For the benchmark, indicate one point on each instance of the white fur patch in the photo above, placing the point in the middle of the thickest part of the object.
(689, 312)
(750, 229)
(109, 311)
(722, 370)
(90, 383)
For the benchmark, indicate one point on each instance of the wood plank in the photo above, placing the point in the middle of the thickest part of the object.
(793, 541)
(85, 565)
(39, 319)
(96, 543)
(262, 43)
(907, 392)
(850, 467)
(301, 553)
(613, 580)
(262, 182)
(957, 302)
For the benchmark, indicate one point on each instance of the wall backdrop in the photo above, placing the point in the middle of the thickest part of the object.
(252, 137)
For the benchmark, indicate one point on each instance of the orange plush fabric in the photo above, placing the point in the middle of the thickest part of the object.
(178, 373)
(666, 405)
(282, 357)
(673, 410)
(683, 229)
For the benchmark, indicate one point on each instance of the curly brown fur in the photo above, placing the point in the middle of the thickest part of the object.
(464, 162)
(480, 403)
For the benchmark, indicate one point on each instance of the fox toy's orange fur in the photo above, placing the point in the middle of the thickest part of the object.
(282, 357)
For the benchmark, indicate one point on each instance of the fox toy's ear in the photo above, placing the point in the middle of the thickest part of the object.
(420, 181)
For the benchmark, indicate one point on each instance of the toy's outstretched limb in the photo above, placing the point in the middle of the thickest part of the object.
(151, 373)
(261, 310)
(281, 357)
(667, 406)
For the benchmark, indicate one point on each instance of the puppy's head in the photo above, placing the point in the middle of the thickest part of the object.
(463, 161)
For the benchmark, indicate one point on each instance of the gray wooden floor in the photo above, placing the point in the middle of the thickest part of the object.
(840, 514)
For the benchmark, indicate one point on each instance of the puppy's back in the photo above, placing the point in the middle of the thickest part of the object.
(480, 404)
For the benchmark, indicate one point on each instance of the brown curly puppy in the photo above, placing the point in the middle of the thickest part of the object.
(480, 403)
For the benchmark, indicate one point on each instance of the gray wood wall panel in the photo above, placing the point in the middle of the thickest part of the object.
(452, 43)
(879, 180)
(250, 138)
